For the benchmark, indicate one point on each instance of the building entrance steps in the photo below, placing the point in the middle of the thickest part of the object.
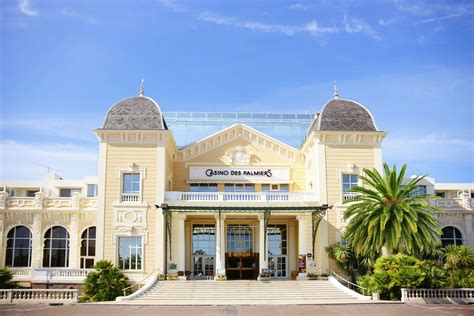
(243, 292)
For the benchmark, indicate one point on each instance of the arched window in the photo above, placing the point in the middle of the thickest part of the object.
(451, 236)
(88, 248)
(56, 247)
(18, 247)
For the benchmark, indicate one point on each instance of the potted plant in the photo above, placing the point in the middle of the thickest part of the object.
(312, 276)
(265, 275)
(220, 277)
(161, 277)
(323, 276)
(172, 277)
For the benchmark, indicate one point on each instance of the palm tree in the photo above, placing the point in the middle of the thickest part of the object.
(347, 260)
(391, 214)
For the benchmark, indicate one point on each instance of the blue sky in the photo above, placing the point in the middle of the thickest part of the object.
(64, 63)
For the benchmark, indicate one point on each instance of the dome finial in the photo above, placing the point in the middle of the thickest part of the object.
(142, 88)
(336, 91)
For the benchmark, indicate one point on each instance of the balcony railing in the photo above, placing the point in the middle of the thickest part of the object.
(130, 198)
(349, 195)
(40, 202)
(240, 196)
(50, 274)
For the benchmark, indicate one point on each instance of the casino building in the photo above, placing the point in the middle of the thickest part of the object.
(231, 203)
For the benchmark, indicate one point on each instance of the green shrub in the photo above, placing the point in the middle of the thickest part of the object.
(459, 266)
(5, 278)
(105, 284)
(393, 273)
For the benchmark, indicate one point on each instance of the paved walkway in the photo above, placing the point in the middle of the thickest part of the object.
(236, 310)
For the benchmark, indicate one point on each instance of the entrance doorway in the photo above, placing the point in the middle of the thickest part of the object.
(240, 259)
(204, 251)
(278, 250)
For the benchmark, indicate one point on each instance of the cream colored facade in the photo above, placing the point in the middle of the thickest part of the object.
(198, 223)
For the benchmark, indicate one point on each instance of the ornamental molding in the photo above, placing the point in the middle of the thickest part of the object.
(239, 156)
(130, 217)
(343, 138)
(239, 131)
(129, 232)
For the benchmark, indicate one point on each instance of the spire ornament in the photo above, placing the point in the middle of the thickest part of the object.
(142, 88)
(336, 91)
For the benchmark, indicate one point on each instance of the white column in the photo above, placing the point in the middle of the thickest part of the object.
(73, 243)
(220, 244)
(2, 250)
(181, 243)
(100, 215)
(302, 239)
(292, 249)
(263, 256)
(36, 246)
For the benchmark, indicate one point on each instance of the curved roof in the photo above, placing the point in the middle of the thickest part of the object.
(135, 113)
(344, 115)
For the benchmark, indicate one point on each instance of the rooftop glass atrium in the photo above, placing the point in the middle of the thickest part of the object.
(188, 127)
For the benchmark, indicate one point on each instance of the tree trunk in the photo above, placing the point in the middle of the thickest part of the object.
(385, 252)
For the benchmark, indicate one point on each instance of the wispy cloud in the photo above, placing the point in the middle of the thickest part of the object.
(312, 27)
(73, 161)
(25, 8)
(354, 25)
(300, 6)
(57, 127)
(70, 13)
(428, 12)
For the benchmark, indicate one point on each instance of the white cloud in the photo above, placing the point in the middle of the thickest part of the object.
(57, 127)
(22, 160)
(300, 6)
(416, 147)
(353, 25)
(311, 27)
(25, 8)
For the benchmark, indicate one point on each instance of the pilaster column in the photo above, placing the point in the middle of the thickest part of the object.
(39, 200)
(2, 249)
(73, 243)
(36, 245)
(302, 239)
(220, 244)
(262, 244)
(181, 243)
(75, 200)
(3, 200)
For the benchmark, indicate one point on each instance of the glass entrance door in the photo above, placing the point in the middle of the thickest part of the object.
(277, 250)
(241, 261)
(204, 251)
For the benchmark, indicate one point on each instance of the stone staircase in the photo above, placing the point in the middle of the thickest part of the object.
(243, 293)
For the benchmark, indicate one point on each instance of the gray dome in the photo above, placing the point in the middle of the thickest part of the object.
(135, 113)
(344, 115)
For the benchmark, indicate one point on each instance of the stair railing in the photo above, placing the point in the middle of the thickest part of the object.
(349, 284)
(139, 284)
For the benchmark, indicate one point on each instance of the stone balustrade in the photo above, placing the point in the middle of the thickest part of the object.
(35, 296)
(175, 196)
(52, 275)
(39, 202)
(438, 295)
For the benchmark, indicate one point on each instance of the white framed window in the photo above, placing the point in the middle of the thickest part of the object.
(91, 190)
(18, 251)
(349, 181)
(203, 187)
(131, 186)
(282, 187)
(130, 253)
(239, 187)
(451, 236)
(88, 247)
(68, 192)
(56, 248)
